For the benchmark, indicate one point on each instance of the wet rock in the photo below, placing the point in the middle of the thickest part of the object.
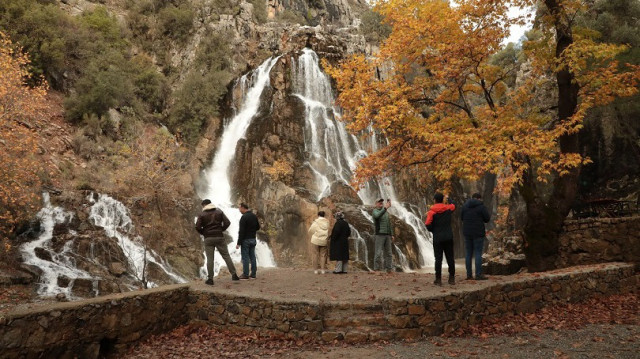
(117, 269)
(63, 281)
(43, 254)
(83, 287)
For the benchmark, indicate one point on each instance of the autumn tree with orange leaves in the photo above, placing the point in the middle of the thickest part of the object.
(21, 109)
(445, 108)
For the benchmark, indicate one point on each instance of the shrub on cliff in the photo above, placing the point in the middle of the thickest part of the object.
(197, 100)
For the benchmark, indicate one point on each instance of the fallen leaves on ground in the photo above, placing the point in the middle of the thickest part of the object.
(614, 309)
(196, 341)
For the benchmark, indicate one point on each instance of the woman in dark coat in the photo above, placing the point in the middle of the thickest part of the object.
(339, 249)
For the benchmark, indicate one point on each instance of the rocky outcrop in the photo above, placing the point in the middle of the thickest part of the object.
(319, 12)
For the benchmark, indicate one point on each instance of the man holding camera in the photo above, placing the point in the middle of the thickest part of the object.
(383, 235)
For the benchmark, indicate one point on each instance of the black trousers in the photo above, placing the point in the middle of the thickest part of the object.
(445, 247)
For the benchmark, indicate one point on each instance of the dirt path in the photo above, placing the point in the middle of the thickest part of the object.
(592, 341)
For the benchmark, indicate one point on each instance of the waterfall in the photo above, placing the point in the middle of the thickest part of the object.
(113, 216)
(107, 213)
(334, 153)
(61, 264)
(360, 246)
(217, 176)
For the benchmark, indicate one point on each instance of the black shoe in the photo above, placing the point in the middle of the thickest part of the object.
(243, 277)
(469, 277)
(438, 281)
(452, 280)
(343, 272)
(209, 281)
(481, 277)
(334, 272)
(253, 276)
(235, 277)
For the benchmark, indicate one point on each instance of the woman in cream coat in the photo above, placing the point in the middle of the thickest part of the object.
(319, 232)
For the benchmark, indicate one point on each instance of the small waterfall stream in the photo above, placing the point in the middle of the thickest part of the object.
(105, 212)
(113, 216)
(61, 264)
(217, 176)
(334, 153)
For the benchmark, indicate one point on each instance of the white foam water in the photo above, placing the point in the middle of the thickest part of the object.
(217, 175)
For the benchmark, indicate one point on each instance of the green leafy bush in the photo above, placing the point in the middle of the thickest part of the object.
(259, 10)
(373, 28)
(288, 16)
(175, 22)
(198, 98)
(105, 84)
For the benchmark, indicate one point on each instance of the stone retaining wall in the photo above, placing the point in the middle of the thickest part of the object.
(102, 326)
(597, 240)
(407, 318)
(92, 328)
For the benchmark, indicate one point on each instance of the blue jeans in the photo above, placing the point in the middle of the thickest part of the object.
(248, 254)
(473, 247)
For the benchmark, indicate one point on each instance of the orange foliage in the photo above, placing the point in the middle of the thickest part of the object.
(445, 108)
(21, 109)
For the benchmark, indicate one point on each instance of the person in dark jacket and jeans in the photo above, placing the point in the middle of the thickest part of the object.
(210, 224)
(247, 240)
(439, 224)
(474, 216)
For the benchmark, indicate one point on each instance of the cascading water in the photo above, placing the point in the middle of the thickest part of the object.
(107, 213)
(61, 264)
(113, 216)
(334, 153)
(219, 189)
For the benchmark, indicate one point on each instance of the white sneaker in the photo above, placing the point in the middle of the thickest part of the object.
(322, 271)
(315, 271)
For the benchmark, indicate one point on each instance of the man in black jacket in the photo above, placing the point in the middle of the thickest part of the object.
(247, 241)
(210, 224)
(474, 216)
(439, 224)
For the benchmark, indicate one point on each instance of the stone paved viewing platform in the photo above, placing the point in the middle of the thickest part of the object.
(353, 307)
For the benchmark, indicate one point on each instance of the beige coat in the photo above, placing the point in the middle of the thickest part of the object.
(319, 231)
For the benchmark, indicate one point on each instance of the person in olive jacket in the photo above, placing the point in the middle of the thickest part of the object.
(439, 224)
(210, 224)
(474, 216)
(339, 248)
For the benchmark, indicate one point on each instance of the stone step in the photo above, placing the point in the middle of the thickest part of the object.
(355, 321)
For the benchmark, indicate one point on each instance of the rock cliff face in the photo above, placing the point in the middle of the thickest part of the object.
(288, 201)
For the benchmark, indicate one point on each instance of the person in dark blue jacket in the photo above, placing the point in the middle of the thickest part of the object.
(474, 216)
(247, 241)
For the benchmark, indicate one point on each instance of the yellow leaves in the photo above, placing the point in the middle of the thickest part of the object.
(21, 109)
(445, 108)
(280, 170)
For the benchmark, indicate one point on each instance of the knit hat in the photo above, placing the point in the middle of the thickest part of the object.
(339, 215)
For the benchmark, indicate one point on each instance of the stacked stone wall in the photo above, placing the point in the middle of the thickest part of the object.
(103, 326)
(92, 328)
(409, 318)
(598, 240)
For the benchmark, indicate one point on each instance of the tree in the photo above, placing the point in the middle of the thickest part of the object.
(446, 108)
(154, 163)
(21, 109)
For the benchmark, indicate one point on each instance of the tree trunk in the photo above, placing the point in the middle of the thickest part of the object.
(545, 216)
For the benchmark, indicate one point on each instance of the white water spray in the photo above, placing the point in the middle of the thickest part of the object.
(113, 216)
(62, 264)
(217, 176)
(334, 153)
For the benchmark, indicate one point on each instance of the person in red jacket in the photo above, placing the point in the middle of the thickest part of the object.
(439, 224)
